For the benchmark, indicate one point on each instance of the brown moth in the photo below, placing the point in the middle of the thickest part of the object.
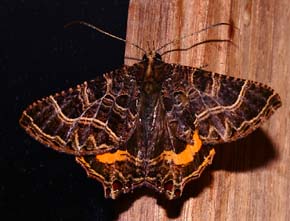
(152, 123)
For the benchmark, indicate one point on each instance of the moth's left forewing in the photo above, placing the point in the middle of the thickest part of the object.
(92, 118)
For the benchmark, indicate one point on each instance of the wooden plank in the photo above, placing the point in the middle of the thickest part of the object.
(249, 179)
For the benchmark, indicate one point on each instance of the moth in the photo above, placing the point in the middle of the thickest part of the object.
(151, 124)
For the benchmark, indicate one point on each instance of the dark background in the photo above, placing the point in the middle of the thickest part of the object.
(40, 57)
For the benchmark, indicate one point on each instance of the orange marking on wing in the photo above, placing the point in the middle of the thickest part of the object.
(187, 155)
(110, 158)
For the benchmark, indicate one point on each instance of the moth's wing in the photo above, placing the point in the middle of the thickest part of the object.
(203, 109)
(119, 171)
(220, 107)
(92, 118)
(174, 167)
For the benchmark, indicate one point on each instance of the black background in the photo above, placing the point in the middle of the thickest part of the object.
(40, 57)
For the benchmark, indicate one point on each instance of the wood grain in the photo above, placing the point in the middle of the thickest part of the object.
(249, 179)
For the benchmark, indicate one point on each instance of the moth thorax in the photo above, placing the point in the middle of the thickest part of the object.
(151, 87)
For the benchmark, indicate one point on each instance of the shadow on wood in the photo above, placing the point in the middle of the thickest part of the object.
(254, 151)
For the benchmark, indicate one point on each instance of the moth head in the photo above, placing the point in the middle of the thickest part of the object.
(151, 56)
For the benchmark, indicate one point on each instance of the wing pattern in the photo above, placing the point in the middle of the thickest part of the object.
(93, 118)
(221, 107)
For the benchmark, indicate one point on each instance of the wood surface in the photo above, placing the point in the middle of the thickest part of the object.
(250, 178)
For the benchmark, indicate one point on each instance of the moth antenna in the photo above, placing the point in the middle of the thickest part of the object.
(132, 58)
(194, 33)
(199, 43)
(103, 32)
